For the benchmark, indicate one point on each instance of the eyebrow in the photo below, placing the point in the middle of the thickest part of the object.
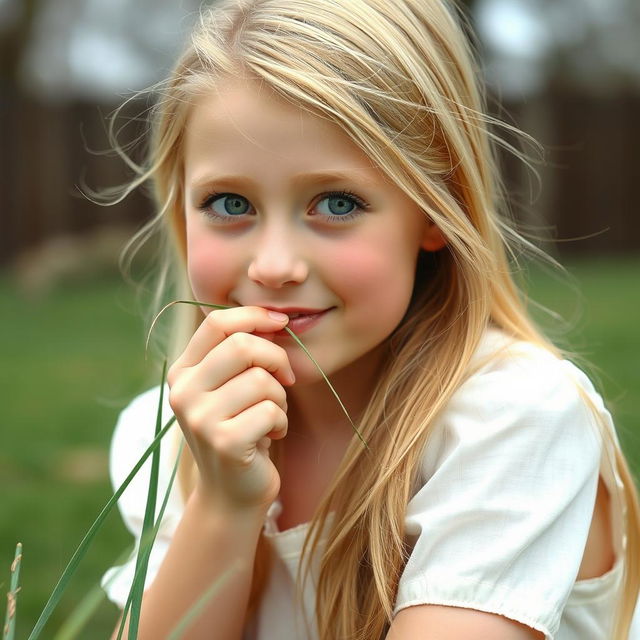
(300, 179)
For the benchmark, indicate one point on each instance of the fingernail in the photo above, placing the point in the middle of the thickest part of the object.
(280, 317)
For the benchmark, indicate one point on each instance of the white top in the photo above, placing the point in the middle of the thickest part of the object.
(499, 518)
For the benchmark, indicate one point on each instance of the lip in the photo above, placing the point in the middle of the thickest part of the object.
(304, 322)
(288, 310)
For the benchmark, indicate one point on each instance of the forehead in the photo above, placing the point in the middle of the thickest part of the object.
(244, 123)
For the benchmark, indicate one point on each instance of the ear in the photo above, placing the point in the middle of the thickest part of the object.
(432, 239)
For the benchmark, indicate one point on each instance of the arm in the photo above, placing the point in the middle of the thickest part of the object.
(206, 545)
(500, 524)
(227, 394)
(435, 622)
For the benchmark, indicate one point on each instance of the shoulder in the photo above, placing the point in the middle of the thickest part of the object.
(135, 430)
(145, 405)
(138, 419)
(521, 379)
(515, 373)
(524, 400)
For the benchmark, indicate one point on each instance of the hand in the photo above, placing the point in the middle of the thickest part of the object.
(226, 390)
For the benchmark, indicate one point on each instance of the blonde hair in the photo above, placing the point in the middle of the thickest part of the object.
(399, 78)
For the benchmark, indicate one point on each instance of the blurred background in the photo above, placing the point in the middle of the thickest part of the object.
(72, 339)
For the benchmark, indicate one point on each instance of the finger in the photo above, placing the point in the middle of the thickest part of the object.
(245, 390)
(220, 324)
(238, 353)
(262, 420)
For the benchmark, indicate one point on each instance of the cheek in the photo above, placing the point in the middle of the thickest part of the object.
(208, 265)
(375, 273)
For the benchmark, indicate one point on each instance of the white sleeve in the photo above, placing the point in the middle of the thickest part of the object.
(134, 432)
(508, 486)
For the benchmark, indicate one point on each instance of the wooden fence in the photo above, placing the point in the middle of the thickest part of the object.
(590, 185)
(47, 153)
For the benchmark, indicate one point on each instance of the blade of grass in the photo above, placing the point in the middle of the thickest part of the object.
(295, 337)
(82, 613)
(78, 619)
(171, 304)
(196, 609)
(90, 535)
(142, 560)
(74, 624)
(147, 545)
(12, 597)
(197, 303)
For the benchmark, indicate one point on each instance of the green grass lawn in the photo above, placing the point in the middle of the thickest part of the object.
(70, 363)
(602, 328)
(72, 360)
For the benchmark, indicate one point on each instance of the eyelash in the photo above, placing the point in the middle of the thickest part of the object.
(361, 206)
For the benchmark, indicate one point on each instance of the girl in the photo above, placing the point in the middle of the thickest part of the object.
(326, 165)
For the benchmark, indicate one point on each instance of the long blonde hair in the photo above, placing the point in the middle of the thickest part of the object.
(399, 78)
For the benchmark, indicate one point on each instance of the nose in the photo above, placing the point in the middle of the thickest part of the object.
(277, 259)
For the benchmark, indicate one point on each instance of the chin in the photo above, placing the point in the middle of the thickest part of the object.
(309, 375)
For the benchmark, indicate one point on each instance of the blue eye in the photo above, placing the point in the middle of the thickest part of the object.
(337, 205)
(228, 204)
(340, 206)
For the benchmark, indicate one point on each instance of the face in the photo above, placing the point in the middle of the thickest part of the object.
(283, 211)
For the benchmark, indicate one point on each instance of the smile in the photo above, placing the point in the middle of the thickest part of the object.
(302, 322)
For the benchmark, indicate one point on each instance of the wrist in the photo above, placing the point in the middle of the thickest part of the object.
(214, 509)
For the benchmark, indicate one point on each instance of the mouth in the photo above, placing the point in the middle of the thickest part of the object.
(302, 321)
(295, 312)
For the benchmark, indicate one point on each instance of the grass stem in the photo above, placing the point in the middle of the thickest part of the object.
(80, 552)
(12, 596)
